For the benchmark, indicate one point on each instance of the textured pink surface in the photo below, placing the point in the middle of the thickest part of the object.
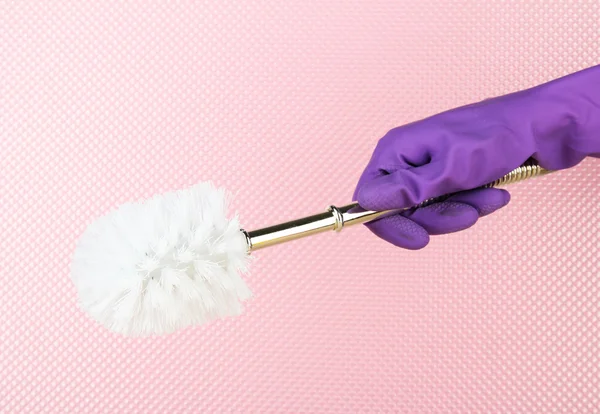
(282, 102)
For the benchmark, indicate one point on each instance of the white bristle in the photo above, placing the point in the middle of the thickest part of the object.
(160, 265)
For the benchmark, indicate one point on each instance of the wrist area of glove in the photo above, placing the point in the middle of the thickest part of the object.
(565, 118)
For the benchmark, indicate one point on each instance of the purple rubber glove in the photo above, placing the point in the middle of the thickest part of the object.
(557, 124)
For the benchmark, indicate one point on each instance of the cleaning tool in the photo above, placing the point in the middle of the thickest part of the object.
(177, 260)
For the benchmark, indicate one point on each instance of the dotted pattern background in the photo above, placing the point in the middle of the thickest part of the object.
(104, 102)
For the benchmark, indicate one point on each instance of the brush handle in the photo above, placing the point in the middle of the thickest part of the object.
(336, 218)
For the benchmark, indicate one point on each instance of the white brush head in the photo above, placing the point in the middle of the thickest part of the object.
(157, 266)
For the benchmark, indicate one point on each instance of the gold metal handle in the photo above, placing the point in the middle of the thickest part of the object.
(336, 218)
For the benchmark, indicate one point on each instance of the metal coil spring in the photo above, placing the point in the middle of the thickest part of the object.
(528, 170)
(522, 173)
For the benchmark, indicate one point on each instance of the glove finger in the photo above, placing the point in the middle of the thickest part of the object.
(409, 187)
(397, 151)
(405, 188)
(400, 231)
(407, 146)
(460, 211)
(445, 217)
(484, 200)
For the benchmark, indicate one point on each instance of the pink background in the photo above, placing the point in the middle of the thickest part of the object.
(282, 102)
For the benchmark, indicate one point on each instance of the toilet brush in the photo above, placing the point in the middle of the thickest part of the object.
(176, 260)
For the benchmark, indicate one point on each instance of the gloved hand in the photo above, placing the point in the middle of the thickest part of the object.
(557, 124)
